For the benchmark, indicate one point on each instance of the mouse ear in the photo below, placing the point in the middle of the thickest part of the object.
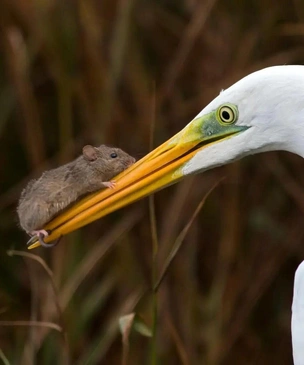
(89, 153)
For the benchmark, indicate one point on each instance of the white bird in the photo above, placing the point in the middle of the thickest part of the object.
(297, 318)
(264, 111)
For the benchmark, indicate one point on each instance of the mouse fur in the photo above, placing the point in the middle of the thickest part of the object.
(56, 189)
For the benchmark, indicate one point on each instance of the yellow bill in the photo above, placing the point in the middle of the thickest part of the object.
(160, 168)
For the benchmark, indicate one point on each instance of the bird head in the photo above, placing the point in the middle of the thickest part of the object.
(266, 111)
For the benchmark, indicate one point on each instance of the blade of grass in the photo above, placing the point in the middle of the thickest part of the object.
(187, 42)
(97, 349)
(125, 324)
(4, 358)
(38, 259)
(89, 307)
(18, 61)
(121, 33)
(153, 353)
(178, 341)
(94, 256)
(50, 325)
(153, 226)
(180, 239)
(30, 349)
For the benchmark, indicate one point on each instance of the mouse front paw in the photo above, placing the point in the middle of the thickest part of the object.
(110, 184)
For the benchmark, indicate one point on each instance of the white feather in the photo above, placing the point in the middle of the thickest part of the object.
(297, 319)
(271, 102)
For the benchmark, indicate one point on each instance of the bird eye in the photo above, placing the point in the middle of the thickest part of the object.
(113, 154)
(227, 114)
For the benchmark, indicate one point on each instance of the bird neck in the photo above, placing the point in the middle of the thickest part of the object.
(295, 141)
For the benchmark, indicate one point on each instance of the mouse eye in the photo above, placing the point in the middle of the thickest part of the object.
(113, 154)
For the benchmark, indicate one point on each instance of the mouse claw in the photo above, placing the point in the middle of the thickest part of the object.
(31, 240)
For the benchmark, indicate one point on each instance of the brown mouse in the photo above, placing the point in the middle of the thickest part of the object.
(56, 189)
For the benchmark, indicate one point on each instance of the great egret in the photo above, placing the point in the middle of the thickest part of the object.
(264, 111)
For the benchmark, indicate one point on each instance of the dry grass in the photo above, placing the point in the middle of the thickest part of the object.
(76, 72)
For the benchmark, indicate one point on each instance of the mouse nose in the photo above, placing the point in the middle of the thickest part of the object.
(133, 160)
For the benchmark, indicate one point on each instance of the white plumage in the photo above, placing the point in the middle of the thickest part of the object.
(271, 102)
(297, 319)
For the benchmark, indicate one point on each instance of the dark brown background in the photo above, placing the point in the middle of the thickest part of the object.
(73, 72)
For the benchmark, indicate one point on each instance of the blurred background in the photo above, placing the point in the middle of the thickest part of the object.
(85, 71)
